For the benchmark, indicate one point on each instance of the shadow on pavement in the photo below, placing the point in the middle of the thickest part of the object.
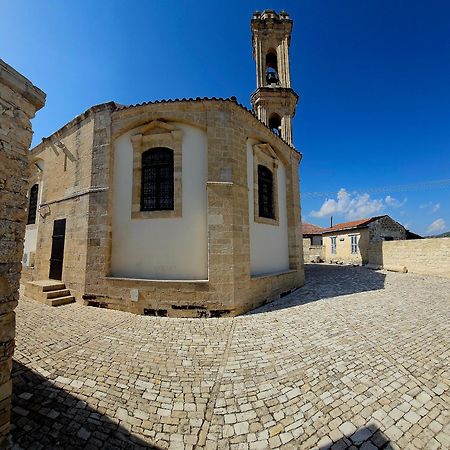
(45, 416)
(327, 281)
(369, 437)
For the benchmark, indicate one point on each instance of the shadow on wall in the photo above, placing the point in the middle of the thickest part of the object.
(376, 253)
(47, 417)
(327, 281)
(367, 437)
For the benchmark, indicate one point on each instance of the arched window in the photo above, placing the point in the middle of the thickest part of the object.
(272, 67)
(275, 124)
(32, 204)
(157, 180)
(265, 192)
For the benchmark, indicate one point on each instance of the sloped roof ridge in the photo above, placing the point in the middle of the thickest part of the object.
(353, 224)
(310, 228)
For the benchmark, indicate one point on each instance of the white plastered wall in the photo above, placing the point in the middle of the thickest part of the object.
(269, 246)
(165, 248)
(30, 242)
(31, 231)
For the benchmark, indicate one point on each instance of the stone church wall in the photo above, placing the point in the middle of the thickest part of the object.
(162, 248)
(19, 101)
(269, 243)
(65, 189)
(223, 128)
(230, 288)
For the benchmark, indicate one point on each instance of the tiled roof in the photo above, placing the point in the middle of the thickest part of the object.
(309, 228)
(188, 99)
(349, 225)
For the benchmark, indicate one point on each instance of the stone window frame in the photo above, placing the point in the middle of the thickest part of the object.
(333, 247)
(351, 236)
(157, 134)
(33, 196)
(264, 155)
(36, 178)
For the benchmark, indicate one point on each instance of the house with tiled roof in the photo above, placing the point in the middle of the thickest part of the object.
(186, 207)
(351, 242)
(312, 233)
(312, 242)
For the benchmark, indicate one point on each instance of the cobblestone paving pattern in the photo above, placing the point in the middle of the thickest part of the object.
(355, 359)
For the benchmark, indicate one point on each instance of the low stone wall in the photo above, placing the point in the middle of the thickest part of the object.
(19, 101)
(422, 256)
(312, 252)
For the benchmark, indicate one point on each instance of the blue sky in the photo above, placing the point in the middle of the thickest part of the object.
(373, 77)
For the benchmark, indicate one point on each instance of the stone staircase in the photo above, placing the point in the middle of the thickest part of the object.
(49, 292)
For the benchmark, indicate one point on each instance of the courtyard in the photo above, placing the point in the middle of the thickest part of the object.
(354, 359)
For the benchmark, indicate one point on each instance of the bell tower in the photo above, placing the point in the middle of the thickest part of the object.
(273, 100)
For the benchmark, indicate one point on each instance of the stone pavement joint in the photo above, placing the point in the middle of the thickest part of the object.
(214, 392)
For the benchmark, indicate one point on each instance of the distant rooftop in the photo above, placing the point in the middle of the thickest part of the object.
(353, 224)
(310, 229)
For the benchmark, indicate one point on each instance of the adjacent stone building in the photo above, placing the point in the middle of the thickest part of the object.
(177, 207)
(19, 101)
(352, 242)
(312, 242)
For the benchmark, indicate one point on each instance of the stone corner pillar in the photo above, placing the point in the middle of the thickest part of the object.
(19, 101)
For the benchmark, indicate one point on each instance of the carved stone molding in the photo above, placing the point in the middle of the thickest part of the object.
(153, 135)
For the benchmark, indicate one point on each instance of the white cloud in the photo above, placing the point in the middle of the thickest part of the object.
(351, 206)
(393, 202)
(436, 226)
(431, 207)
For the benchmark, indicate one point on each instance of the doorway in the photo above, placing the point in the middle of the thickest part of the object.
(57, 255)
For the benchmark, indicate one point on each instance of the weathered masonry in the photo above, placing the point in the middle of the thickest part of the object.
(19, 101)
(180, 208)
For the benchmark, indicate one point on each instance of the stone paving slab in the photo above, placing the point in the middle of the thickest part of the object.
(355, 359)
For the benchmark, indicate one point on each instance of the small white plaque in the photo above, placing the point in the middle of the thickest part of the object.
(134, 294)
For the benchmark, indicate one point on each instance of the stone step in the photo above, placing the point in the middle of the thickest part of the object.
(49, 292)
(60, 300)
(58, 293)
(54, 286)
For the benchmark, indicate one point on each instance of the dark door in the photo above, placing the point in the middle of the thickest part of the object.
(57, 256)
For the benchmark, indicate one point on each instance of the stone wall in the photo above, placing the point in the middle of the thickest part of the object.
(19, 101)
(422, 256)
(65, 191)
(311, 253)
(386, 228)
(230, 288)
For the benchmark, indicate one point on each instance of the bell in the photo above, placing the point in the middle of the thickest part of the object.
(271, 76)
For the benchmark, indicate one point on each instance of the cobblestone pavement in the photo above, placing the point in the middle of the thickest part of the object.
(354, 359)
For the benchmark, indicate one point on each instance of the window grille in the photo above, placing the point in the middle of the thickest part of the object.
(265, 192)
(157, 187)
(32, 204)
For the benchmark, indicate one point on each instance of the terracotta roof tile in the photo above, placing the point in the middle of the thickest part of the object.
(309, 228)
(349, 225)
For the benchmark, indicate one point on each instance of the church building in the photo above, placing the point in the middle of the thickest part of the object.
(178, 208)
